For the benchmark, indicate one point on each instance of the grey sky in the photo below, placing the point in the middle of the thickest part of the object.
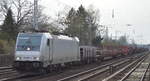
(135, 12)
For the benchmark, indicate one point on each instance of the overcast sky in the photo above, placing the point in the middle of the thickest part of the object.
(134, 12)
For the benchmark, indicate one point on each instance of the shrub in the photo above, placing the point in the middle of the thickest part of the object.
(6, 47)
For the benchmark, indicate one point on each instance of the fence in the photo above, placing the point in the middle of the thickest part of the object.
(6, 59)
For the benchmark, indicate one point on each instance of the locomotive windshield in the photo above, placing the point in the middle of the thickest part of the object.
(29, 43)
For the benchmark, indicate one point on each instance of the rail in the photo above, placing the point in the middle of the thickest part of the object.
(124, 73)
(143, 76)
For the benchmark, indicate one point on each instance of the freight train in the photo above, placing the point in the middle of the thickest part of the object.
(43, 50)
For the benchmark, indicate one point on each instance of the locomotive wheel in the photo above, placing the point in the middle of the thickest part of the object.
(43, 70)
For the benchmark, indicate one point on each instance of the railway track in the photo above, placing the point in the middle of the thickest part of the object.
(6, 70)
(13, 76)
(9, 74)
(16, 76)
(35, 78)
(146, 76)
(103, 71)
(132, 72)
(86, 75)
(137, 74)
(3, 68)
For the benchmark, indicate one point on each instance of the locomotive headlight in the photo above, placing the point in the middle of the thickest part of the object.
(36, 58)
(18, 58)
(28, 49)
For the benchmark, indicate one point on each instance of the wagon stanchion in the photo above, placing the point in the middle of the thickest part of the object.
(111, 68)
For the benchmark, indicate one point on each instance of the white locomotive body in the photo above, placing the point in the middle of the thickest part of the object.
(43, 50)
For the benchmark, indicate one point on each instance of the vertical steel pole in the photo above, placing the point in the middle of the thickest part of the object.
(35, 15)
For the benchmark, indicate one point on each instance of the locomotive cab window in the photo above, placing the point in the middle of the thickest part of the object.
(29, 43)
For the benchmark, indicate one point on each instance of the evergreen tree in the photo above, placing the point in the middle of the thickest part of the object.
(97, 41)
(81, 23)
(70, 22)
(9, 26)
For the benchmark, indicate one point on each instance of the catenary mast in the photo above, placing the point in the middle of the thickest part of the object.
(35, 15)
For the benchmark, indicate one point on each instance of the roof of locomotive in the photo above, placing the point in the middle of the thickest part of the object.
(85, 46)
(63, 37)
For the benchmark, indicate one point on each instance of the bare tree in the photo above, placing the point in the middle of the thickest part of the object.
(23, 13)
(43, 20)
(21, 9)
